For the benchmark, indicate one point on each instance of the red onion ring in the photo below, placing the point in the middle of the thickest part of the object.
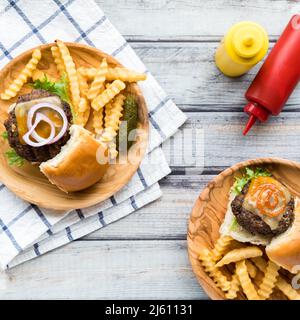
(59, 110)
(39, 117)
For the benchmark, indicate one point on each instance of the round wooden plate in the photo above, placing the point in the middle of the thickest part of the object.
(210, 208)
(28, 182)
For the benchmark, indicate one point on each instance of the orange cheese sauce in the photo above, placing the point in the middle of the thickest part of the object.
(43, 128)
(269, 196)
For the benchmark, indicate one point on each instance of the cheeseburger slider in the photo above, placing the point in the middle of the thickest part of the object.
(262, 211)
(40, 130)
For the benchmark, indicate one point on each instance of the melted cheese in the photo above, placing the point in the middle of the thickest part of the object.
(267, 198)
(43, 128)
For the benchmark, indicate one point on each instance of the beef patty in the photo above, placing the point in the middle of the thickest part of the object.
(35, 154)
(254, 223)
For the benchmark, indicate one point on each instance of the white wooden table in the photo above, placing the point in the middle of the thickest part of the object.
(144, 255)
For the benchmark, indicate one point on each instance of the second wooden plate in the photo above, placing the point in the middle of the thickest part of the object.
(210, 208)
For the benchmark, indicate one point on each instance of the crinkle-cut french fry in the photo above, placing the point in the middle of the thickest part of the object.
(83, 104)
(71, 74)
(269, 280)
(40, 75)
(108, 94)
(252, 270)
(82, 117)
(261, 263)
(107, 110)
(206, 258)
(108, 135)
(23, 76)
(281, 283)
(113, 118)
(220, 247)
(88, 73)
(98, 117)
(239, 254)
(112, 149)
(234, 287)
(245, 281)
(116, 73)
(83, 84)
(125, 75)
(84, 88)
(58, 60)
(98, 121)
(98, 81)
(287, 289)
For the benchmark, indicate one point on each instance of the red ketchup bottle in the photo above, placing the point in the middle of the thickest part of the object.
(277, 77)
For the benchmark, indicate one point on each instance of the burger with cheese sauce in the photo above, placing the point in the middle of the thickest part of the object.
(262, 211)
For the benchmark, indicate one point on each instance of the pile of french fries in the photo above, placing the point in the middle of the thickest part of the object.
(235, 268)
(100, 90)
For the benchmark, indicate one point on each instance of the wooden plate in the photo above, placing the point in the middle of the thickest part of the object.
(28, 182)
(210, 208)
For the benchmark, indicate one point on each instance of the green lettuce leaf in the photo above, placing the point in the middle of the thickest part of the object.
(234, 224)
(249, 174)
(60, 88)
(4, 135)
(13, 158)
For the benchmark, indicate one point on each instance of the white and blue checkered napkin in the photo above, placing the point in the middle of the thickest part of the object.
(27, 231)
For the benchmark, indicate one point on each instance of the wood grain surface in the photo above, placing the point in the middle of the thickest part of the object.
(100, 269)
(188, 73)
(176, 40)
(194, 20)
(28, 182)
(210, 208)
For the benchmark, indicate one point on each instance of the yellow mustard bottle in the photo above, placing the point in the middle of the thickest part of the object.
(244, 45)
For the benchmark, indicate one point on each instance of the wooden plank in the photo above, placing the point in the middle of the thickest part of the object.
(224, 144)
(165, 218)
(193, 19)
(107, 270)
(188, 74)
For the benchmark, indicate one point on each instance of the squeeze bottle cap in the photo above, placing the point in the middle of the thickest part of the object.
(247, 42)
(255, 111)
